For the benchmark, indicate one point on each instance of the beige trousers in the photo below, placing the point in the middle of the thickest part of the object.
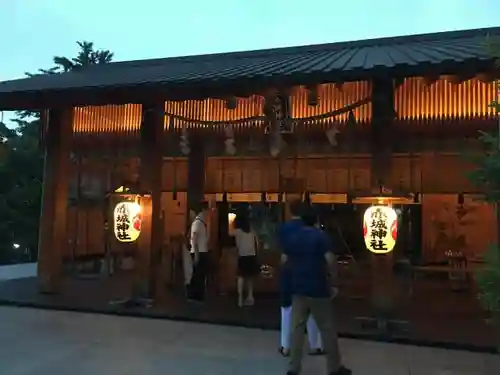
(321, 310)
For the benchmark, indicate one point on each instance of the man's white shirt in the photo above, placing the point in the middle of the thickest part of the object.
(199, 227)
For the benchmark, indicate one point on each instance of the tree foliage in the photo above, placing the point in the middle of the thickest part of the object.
(487, 178)
(21, 165)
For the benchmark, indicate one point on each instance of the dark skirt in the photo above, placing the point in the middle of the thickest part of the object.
(248, 266)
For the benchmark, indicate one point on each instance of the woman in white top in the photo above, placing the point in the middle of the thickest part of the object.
(248, 266)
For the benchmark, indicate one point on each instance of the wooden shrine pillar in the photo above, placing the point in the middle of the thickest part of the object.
(196, 172)
(52, 230)
(382, 131)
(381, 165)
(150, 181)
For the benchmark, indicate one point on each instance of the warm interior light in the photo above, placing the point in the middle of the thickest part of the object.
(380, 229)
(127, 221)
(230, 220)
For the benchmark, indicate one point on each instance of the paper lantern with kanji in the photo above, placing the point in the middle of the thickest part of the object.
(380, 229)
(127, 221)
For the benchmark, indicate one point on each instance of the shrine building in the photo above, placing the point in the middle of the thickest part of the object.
(343, 125)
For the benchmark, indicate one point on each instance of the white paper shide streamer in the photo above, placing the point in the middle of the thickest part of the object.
(184, 143)
(229, 143)
(331, 135)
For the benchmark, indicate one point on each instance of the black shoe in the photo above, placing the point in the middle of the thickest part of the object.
(284, 352)
(342, 371)
(291, 373)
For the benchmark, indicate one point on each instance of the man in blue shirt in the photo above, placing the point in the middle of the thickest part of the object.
(307, 253)
(315, 343)
(284, 232)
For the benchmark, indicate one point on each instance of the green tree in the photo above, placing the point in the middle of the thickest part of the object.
(487, 177)
(21, 164)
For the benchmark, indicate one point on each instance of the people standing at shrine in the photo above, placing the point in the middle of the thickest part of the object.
(307, 252)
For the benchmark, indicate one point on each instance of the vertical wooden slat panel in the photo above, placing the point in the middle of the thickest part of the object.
(333, 97)
(443, 100)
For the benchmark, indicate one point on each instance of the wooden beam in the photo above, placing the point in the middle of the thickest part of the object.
(457, 79)
(486, 77)
(429, 80)
(52, 231)
(150, 180)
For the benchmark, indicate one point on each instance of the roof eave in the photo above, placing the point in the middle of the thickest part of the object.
(201, 89)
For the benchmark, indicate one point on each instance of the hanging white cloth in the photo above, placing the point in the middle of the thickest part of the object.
(313, 334)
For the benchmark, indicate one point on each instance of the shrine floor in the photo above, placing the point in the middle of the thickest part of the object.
(41, 342)
(435, 315)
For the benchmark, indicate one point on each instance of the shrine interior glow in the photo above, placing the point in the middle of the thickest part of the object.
(230, 220)
(127, 221)
(380, 229)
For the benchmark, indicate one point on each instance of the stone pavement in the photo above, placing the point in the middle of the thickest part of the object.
(17, 271)
(51, 343)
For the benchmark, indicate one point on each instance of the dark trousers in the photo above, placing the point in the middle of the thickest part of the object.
(196, 289)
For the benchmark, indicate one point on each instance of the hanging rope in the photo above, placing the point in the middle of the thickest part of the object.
(263, 118)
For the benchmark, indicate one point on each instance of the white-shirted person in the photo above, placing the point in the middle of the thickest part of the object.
(248, 265)
(198, 235)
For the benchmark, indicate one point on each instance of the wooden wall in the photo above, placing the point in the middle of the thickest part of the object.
(420, 173)
(430, 174)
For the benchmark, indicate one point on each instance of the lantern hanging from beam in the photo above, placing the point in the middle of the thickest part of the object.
(380, 229)
(127, 221)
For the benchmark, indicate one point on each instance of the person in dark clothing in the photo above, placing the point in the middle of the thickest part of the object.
(315, 344)
(307, 251)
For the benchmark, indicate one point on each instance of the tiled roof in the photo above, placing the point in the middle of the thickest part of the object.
(335, 62)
